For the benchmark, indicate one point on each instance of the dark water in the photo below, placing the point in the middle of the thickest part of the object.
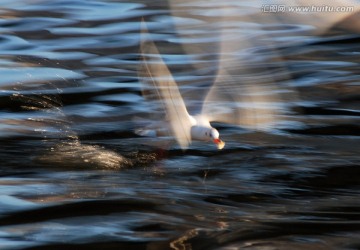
(74, 175)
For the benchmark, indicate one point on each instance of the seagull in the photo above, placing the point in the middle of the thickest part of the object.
(226, 101)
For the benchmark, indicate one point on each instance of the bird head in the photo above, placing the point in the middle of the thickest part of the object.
(214, 134)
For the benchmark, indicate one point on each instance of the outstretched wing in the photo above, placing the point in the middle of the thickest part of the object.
(250, 105)
(156, 76)
(247, 92)
(247, 89)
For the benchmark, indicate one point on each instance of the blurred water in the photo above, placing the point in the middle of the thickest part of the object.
(75, 175)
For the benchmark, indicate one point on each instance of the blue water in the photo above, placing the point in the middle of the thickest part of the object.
(74, 174)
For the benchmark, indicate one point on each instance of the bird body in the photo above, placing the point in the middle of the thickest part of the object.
(203, 131)
(200, 130)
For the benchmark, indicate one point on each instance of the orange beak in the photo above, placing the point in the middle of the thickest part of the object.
(219, 143)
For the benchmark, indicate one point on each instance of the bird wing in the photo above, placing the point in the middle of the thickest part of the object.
(233, 101)
(156, 76)
(247, 89)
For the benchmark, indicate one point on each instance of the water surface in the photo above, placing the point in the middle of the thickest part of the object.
(74, 174)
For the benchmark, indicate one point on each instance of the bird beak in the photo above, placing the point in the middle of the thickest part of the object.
(219, 143)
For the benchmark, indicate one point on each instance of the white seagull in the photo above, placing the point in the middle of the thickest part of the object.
(227, 101)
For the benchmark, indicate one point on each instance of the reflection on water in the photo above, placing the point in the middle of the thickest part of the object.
(75, 175)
